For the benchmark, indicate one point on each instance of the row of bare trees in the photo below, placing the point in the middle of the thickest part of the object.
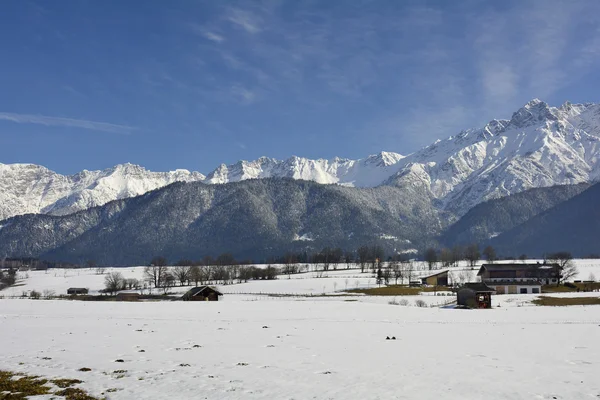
(370, 255)
(396, 270)
(448, 257)
(114, 281)
(159, 275)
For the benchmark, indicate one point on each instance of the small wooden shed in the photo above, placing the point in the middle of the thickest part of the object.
(75, 291)
(437, 279)
(128, 296)
(202, 293)
(475, 295)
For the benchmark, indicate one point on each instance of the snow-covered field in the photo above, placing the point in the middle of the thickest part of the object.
(308, 283)
(305, 349)
(253, 346)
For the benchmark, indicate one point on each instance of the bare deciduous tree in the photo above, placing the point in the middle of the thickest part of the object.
(168, 281)
(159, 261)
(196, 274)
(291, 266)
(245, 274)
(220, 273)
(564, 259)
(490, 254)
(113, 282)
(472, 254)
(155, 274)
(431, 257)
(446, 257)
(182, 273)
(132, 283)
(363, 257)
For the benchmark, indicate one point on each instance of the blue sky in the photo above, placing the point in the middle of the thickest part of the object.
(192, 84)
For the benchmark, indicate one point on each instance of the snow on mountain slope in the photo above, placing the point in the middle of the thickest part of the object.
(27, 188)
(539, 146)
(367, 172)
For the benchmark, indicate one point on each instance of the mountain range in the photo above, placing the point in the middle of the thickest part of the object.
(33, 189)
(253, 218)
(458, 187)
(539, 146)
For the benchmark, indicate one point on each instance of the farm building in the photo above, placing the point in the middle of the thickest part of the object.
(128, 296)
(437, 279)
(76, 291)
(202, 293)
(475, 295)
(519, 278)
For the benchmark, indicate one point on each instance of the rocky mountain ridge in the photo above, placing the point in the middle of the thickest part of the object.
(539, 146)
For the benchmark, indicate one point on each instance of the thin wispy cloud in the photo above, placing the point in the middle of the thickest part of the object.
(205, 32)
(421, 72)
(244, 95)
(66, 122)
(245, 20)
(213, 36)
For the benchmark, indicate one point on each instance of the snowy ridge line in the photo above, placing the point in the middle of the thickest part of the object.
(539, 146)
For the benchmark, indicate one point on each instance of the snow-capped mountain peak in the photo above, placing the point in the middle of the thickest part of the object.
(539, 146)
(384, 159)
(28, 188)
(369, 171)
(534, 112)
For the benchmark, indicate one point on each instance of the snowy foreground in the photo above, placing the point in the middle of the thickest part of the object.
(305, 349)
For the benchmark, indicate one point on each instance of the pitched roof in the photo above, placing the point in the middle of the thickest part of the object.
(197, 290)
(515, 266)
(478, 287)
(436, 274)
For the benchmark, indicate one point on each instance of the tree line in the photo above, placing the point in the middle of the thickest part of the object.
(161, 276)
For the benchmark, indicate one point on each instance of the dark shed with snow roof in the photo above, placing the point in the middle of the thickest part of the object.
(475, 295)
(202, 293)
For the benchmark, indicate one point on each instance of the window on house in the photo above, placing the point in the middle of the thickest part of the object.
(535, 290)
(523, 290)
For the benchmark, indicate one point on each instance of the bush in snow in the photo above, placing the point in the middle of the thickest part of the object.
(420, 303)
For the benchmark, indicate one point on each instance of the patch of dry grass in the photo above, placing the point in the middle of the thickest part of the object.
(18, 386)
(399, 290)
(13, 387)
(65, 383)
(566, 301)
(583, 287)
(75, 394)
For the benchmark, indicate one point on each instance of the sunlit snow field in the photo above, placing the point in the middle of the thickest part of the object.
(253, 346)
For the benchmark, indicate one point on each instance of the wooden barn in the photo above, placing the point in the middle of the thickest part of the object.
(437, 279)
(475, 295)
(75, 291)
(202, 293)
(128, 296)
